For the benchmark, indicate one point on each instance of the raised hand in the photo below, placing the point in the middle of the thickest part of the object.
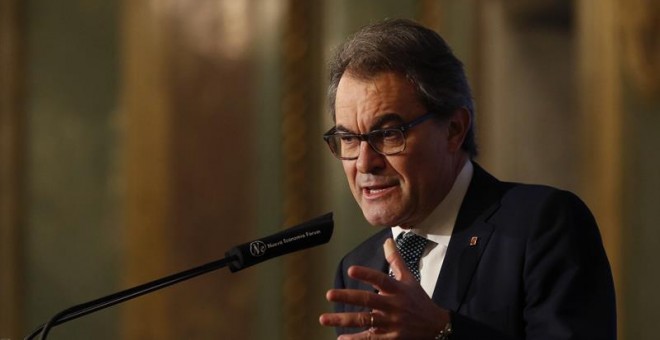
(400, 310)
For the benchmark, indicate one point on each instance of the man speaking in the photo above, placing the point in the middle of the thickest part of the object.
(460, 255)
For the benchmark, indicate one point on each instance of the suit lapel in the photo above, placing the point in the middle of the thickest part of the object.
(469, 239)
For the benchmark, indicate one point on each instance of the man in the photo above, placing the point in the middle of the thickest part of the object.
(495, 260)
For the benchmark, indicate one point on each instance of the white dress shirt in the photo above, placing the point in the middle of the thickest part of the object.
(437, 228)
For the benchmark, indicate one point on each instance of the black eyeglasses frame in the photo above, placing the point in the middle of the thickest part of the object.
(365, 137)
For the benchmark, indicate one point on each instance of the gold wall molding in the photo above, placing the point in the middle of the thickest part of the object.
(11, 180)
(145, 129)
(602, 127)
(299, 107)
(187, 106)
(430, 14)
(640, 26)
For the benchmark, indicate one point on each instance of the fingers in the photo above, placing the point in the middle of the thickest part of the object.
(390, 300)
(379, 280)
(382, 281)
(375, 322)
(366, 335)
(389, 249)
(357, 298)
(397, 265)
(362, 319)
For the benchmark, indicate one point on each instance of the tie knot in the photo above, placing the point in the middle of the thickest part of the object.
(411, 246)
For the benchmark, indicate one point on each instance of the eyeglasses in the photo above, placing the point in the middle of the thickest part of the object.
(346, 146)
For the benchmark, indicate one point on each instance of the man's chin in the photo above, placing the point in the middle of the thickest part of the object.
(381, 219)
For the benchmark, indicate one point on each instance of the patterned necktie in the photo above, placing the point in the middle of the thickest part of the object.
(411, 246)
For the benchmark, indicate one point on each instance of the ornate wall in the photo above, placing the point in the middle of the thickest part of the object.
(140, 138)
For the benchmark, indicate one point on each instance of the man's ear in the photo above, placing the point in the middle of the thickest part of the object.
(459, 124)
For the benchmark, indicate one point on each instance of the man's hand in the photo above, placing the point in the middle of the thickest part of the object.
(400, 310)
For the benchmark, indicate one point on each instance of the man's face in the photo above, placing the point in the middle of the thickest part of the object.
(404, 188)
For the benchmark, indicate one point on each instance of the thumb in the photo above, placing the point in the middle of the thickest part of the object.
(397, 265)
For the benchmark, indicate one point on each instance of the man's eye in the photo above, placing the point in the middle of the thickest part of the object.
(348, 139)
(390, 134)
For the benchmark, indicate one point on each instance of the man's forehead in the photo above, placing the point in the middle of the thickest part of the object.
(372, 102)
(377, 122)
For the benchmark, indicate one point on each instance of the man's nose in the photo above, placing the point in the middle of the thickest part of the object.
(369, 161)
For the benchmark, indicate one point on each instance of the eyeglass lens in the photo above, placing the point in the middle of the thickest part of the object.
(385, 142)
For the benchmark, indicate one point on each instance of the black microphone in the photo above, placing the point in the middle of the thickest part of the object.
(305, 235)
(308, 234)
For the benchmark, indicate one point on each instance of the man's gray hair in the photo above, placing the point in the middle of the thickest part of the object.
(418, 53)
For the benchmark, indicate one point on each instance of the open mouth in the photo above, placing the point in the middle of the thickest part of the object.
(377, 191)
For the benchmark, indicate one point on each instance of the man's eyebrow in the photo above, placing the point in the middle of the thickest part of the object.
(377, 124)
(384, 119)
(341, 128)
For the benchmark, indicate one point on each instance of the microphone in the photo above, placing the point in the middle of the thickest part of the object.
(308, 234)
(305, 235)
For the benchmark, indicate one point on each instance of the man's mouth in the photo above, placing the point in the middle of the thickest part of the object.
(377, 191)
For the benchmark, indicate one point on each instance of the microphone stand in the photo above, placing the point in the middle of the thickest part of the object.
(308, 234)
(125, 295)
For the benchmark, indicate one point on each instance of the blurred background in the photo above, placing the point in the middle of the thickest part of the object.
(142, 138)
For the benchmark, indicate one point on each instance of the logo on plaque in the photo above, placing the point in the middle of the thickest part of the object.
(257, 248)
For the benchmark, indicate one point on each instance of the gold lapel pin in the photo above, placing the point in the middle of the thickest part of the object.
(473, 241)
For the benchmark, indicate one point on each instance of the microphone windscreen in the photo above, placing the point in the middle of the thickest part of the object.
(305, 235)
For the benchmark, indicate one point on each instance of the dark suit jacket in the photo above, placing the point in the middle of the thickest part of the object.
(538, 270)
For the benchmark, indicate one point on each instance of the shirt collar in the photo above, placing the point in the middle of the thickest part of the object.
(438, 226)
